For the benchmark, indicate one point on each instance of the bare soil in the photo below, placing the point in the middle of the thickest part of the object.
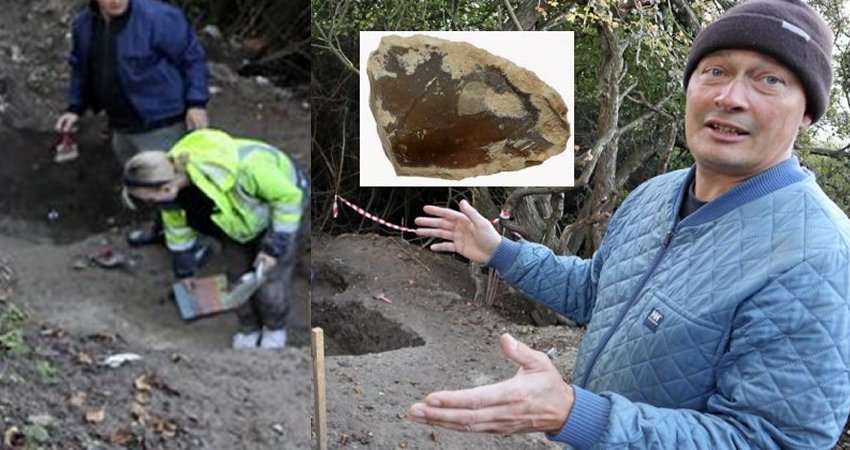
(383, 357)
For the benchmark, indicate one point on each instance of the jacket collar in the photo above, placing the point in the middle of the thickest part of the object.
(777, 177)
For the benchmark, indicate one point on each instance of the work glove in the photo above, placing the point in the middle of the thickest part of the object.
(276, 244)
(186, 263)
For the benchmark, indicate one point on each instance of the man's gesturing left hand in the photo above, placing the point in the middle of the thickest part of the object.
(535, 399)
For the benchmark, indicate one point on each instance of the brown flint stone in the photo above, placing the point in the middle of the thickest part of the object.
(451, 110)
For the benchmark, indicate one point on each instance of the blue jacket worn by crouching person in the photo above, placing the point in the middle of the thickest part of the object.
(161, 65)
(729, 328)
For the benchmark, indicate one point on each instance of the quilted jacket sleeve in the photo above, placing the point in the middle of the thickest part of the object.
(566, 284)
(782, 380)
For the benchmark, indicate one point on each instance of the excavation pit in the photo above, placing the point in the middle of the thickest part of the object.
(352, 329)
(47, 202)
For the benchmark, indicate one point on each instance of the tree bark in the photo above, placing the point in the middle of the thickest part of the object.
(604, 191)
(525, 12)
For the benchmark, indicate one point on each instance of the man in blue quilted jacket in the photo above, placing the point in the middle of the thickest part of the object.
(718, 304)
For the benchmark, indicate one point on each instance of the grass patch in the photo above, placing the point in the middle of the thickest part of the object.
(13, 342)
(46, 370)
(11, 330)
(36, 437)
(12, 316)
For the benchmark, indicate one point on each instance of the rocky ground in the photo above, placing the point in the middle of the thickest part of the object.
(61, 316)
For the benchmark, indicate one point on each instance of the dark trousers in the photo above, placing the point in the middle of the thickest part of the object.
(269, 306)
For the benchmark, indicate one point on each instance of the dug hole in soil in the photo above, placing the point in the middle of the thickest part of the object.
(383, 357)
(399, 323)
(61, 315)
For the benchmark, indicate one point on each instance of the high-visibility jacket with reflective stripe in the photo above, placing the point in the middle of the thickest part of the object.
(255, 187)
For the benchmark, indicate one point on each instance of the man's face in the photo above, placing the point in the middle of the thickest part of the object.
(163, 194)
(112, 8)
(743, 112)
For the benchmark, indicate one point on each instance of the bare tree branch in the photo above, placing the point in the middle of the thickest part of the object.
(627, 90)
(511, 13)
(550, 236)
(329, 46)
(692, 23)
(552, 23)
(517, 195)
(652, 111)
(636, 158)
(832, 153)
(656, 107)
(567, 234)
(610, 74)
(513, 226)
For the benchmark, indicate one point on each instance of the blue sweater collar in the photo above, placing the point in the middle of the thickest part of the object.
(777, 177)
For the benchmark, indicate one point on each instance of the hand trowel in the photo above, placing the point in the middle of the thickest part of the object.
(201, 297)
(247, 285)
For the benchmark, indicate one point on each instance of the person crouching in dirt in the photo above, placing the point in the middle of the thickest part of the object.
(245, 193)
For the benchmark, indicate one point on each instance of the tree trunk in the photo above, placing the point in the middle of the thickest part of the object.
(533, 212)
(604, 191)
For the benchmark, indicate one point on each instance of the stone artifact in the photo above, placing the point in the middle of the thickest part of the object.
(451, 110)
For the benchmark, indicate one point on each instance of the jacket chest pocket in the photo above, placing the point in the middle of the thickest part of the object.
(665, 355)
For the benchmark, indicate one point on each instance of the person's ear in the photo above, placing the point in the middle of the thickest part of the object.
(807, 120)
(180, 162)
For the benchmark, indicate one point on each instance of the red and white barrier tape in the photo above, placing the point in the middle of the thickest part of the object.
(362, 212)
(503, 215)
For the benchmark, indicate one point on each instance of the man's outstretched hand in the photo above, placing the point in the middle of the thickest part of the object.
(466, 231)
(535, 399)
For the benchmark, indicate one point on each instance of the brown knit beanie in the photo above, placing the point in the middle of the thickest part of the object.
(789, 31)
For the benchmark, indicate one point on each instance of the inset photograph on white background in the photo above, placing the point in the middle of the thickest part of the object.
(464, 108)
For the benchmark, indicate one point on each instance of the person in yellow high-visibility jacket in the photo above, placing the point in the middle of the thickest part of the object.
(246, 193)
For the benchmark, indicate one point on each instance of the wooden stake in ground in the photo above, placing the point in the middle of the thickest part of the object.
(320, 407)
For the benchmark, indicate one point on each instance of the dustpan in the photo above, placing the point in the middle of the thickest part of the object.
(66, 148)
(207, 296)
